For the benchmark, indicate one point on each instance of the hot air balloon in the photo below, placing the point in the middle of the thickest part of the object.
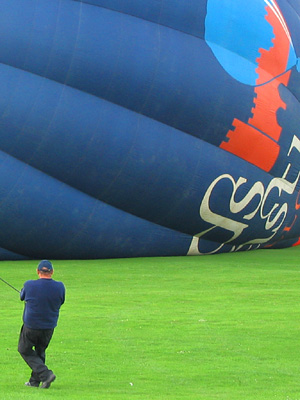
(148, 128)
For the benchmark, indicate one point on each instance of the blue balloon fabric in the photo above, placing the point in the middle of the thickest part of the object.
(148, 128)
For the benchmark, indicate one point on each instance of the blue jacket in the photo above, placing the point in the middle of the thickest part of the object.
(43, 298)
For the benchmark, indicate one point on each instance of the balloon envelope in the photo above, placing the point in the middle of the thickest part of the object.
(147, 128)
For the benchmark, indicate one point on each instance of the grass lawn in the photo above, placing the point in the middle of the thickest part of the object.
(210, 327)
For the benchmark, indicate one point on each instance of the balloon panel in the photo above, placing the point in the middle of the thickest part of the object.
(139, 129)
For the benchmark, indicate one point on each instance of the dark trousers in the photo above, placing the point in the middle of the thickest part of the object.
(32, 346)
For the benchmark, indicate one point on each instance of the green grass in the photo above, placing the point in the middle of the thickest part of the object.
(211, 327)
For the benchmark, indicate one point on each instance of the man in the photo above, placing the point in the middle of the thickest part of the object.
(43, 298)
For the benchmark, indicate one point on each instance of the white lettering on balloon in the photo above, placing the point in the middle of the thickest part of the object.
(258, 199)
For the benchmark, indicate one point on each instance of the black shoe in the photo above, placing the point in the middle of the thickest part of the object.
(31, 384)
(47, 383)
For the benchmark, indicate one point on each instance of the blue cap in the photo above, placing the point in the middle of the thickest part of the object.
(45, 266)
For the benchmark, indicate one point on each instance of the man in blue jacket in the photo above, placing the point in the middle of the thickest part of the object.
(43, 298)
